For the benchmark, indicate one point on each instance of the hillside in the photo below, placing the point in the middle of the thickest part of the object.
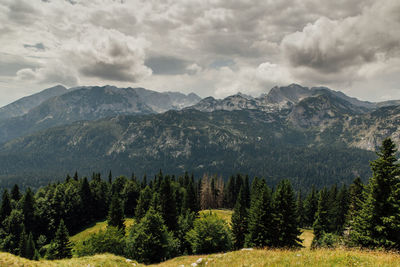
(308, 135)
(220, 142)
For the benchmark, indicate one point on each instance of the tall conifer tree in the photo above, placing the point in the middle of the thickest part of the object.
(285, 217)
(61, 246)
(377, 224)
(260, 223)
(5, 208)
(116, 213)
(239, 220)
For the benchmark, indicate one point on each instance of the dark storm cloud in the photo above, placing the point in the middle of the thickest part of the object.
(108, 71)
(167, 65)
(38, 46)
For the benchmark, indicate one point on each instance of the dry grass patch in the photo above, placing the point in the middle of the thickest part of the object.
(104, 260)
(307, 236)
(304, 257)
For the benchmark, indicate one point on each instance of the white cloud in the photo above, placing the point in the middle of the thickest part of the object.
(348, 49)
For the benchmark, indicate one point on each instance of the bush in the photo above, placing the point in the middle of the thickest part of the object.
(150, 241)
(327, 240)
(112, 240)
(210, 234)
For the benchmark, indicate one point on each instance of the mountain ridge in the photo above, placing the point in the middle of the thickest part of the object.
(91, 103)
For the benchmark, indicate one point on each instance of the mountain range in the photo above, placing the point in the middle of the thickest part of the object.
(58, 106)
(312, 136)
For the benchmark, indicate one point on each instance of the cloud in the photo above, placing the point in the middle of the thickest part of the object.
(57, 72)
(109, 55)
(10, 64)
(329, 50)
(37, 47)
(22, 12)
(167, 65)
(210, 47)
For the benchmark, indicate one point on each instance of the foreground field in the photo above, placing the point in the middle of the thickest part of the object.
(104, 260)
(303, 257)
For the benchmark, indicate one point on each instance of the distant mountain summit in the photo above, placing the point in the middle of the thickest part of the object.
(60, 106)
(278, 98)
(23, 105)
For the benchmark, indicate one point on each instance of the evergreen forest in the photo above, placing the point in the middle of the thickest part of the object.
(167, 223)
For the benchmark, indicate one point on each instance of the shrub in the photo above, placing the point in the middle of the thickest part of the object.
(150, 241)
(210, 234)
(112, 240)
(327, 240)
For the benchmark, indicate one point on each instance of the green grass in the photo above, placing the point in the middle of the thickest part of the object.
(256, 257)
(303, 257)
(222, 213)
(95, 229)
(104, 260)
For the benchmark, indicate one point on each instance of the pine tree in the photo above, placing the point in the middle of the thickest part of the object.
(230, 193)
(143, 203)
(28, 209)
(22, 244)
(246, 189)
(61, 247)
(87, 201)
(239, 220)
(15, 194)
(343, 208)
(149, 240)
(76, 176)
(110, 177)
(300, 210)
(285, 218)
(144, 182)
(355, 198)
(168, 204)
(190, 201)
(30, 249)
(377, 224)
(131, 194)
(260, 222)
(116, 213)
(5, 208)
(322, 223)
(310, 207)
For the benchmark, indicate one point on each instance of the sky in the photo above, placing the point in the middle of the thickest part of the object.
(209, 47)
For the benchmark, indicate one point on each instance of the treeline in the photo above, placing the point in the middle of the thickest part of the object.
(167, 221)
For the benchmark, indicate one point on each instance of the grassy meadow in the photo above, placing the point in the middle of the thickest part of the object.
(257, 257)
(95, 229)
